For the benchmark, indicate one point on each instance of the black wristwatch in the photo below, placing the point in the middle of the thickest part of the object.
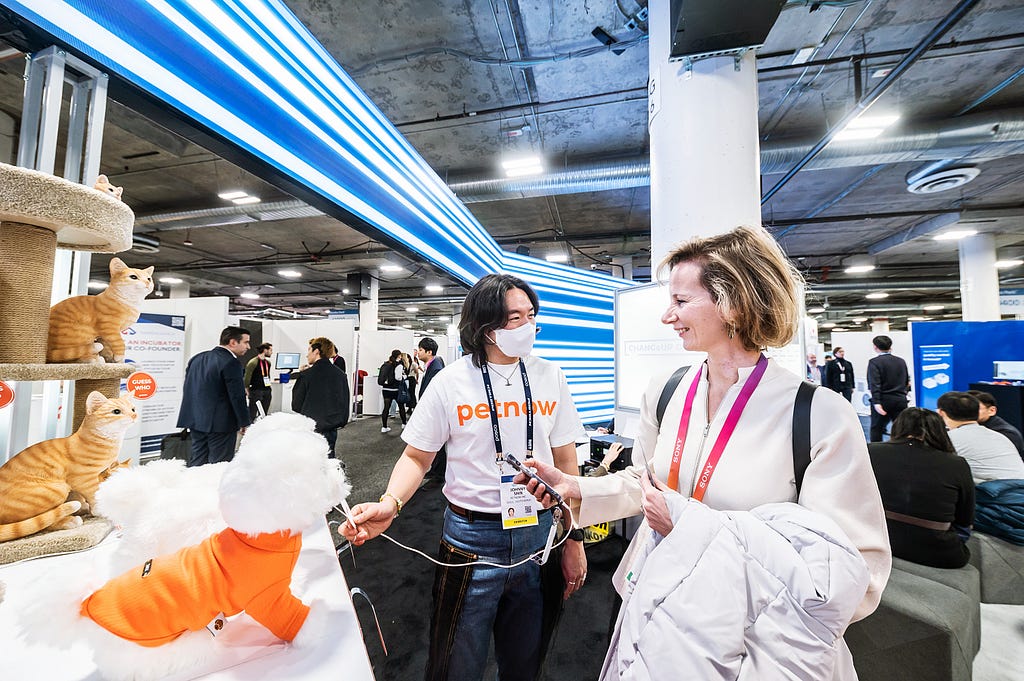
(577, 534)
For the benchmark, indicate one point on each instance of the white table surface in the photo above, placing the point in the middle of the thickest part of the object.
(247, 651)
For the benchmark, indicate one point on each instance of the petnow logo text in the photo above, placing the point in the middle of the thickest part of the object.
(467, 412)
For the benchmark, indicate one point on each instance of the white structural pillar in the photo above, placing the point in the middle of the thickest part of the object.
(705, 162)
(182, 290)
(369, 309)
(979, 280)
(624, 262)
(880, 325)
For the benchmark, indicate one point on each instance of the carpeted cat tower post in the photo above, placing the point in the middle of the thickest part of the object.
(40, 213)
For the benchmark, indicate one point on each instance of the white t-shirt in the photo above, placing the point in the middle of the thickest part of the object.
(991, 455)
(454, 412)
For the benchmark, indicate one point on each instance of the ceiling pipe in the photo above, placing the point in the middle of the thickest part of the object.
(885, 284)
(887, 82)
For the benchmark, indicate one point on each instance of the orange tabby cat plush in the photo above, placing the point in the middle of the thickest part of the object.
(43, 485)
(83, 326)
(103, 185)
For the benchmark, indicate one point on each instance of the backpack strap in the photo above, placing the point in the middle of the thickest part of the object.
(802, 432)
(668, 391)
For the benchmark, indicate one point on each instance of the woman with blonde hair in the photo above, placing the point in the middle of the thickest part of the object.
(718, 528)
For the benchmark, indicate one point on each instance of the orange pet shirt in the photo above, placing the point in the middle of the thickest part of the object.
(229, 572)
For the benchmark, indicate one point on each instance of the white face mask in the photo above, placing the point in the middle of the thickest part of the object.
(517, 342)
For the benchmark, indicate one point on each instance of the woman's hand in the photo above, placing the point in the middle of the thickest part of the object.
(654, 506)
(565, 485)
(614, 449)
(368, 521)
(574, 567)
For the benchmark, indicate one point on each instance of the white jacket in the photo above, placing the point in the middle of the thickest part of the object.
(760, 594)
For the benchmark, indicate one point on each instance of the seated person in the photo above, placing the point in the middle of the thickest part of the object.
(927, 491)
(991, 456)
(614, 449)
(987, 417)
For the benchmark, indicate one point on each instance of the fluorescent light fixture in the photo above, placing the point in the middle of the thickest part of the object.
(848, 135)
(803, 55)
(933, 307)
(406, 326)
(433, 288)
(917, 319)
(291, 274)
(170, 280)
(954, 234)
(245, 200)
(1007, 264)
(521, 167)
(345, 291)
(858, 320)
(827, 325)
(391, 268)
(878, 121)
(97, 285)
(412, 308)
(859, 269)
(232, 194)
(816, 310)
(268, 247)
(877, 295)
(557, 257)
(250, 296)
(430, 331)
(838, 328)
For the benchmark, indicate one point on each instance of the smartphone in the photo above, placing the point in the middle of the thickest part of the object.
(514, 462)
(650, 469)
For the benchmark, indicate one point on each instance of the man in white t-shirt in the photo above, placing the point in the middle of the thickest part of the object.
(990, 455)
(497, 332)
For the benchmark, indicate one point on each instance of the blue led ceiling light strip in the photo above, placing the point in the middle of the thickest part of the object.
(251, 74)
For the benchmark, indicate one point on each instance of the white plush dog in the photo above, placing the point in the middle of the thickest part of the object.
(152, 620)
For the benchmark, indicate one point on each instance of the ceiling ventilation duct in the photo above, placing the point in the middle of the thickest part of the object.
(941, 180)
(143, 243)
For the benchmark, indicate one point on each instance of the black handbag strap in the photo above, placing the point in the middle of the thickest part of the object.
(801, 421)
(802, 432)
(668, 391)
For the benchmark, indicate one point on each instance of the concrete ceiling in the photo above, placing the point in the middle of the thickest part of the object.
(439, 71)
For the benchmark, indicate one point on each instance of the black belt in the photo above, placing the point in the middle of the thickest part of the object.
(474, 516)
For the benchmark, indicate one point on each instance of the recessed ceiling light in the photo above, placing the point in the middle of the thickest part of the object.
(1006, 264)
(557, 257)
(250, 296)
(816, 310)
(97, 285)
(859, 269)
(955, 234)
(406, 326)
(917, 319)
(933, 307)
(232, 194)
(837, 328)
(877, 295)
(859, 320)
(391, 268)
(803, 55)
(433, 288)
(442, 319)
(430, 331)
(246, 200)
(412, 308)
(827, 325)
(291, 274)
(170, 280)
(345, 291)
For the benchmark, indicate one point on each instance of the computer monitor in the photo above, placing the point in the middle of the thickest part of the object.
(287, 360)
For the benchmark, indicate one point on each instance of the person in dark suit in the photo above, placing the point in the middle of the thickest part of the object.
(926, 489)
(426, 352)
(889, 383)
(321, 392)
(839, 374)
(213, 399)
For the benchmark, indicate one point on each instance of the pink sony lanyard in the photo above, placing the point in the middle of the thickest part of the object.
(723, 437)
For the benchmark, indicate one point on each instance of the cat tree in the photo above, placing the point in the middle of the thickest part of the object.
(40, 213)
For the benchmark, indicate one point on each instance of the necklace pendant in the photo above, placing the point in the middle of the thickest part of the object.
(508, 383)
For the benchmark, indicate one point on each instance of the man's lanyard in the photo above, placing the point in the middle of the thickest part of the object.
(493, 408)
(264, 367)
(723, 437)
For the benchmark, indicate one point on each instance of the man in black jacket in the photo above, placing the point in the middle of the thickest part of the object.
(987, 417)
(889, 383)
(213, 399)
(321, 392)
(839, 374)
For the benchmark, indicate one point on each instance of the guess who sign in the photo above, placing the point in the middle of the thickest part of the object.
(6, 395)
(141, 385)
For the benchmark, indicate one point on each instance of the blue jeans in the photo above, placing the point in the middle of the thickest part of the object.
(507, 602)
